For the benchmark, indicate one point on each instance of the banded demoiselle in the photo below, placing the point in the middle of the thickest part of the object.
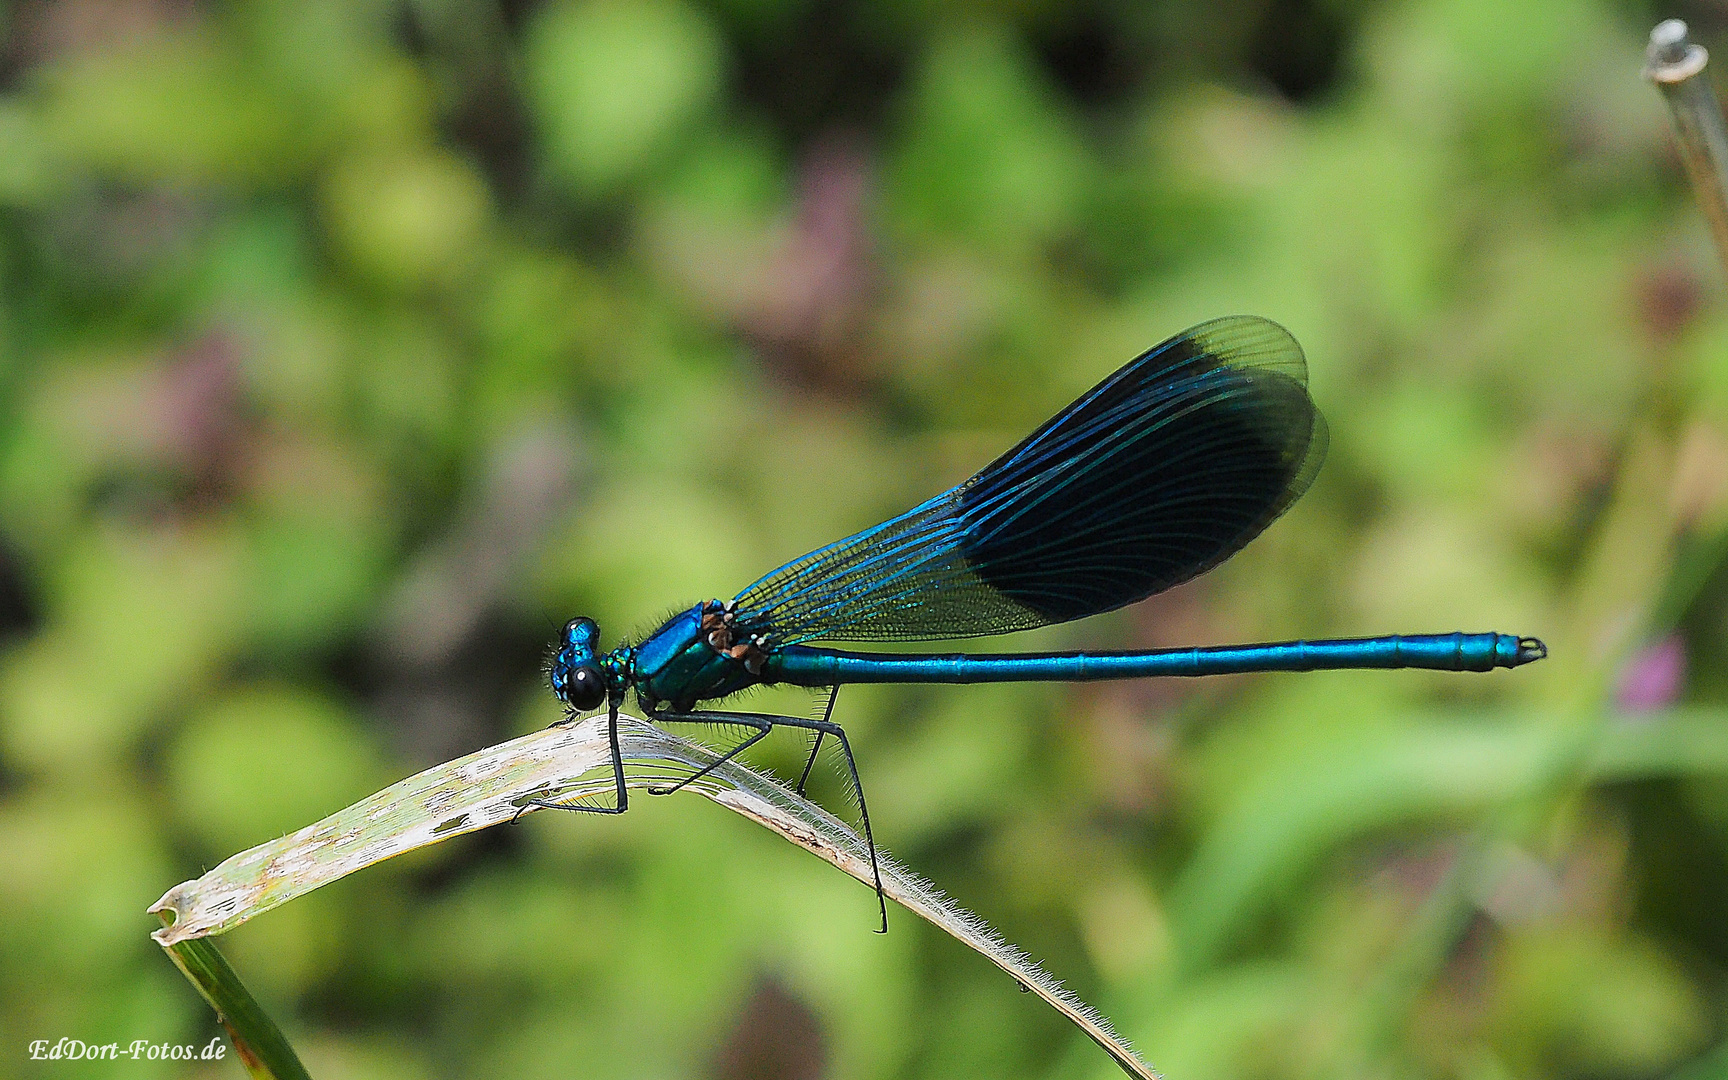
(1159, 473)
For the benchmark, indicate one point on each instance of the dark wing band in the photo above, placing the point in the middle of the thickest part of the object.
(1156, 475)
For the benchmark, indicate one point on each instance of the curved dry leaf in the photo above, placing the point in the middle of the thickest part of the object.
(564, 763)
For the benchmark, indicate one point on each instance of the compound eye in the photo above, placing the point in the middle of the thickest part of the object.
(582, 635)
(585, 689)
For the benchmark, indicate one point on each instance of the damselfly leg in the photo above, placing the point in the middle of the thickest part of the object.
(763, 723)
(816, 744)
(621, 797)
(759, 725)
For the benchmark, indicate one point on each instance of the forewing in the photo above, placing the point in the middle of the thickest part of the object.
(1157, 474)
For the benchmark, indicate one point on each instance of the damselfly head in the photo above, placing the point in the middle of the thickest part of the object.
(576, 677)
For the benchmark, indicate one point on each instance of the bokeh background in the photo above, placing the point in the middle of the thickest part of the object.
(348, 348)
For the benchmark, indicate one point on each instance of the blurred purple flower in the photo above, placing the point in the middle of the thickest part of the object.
(806, 311)
(1669, 297)
(1654, 677)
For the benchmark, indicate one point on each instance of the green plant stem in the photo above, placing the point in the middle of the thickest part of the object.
(262, 1047)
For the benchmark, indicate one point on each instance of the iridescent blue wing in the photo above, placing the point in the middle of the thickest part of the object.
(1156, 475)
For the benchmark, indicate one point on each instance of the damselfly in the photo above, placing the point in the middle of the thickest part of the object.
(1159, 473)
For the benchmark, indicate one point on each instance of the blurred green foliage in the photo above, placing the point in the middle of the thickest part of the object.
(348, 348)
